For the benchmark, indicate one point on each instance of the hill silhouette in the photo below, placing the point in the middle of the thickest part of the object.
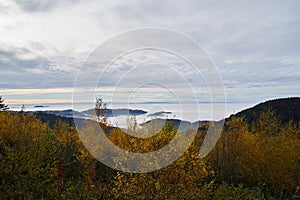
(285, 109)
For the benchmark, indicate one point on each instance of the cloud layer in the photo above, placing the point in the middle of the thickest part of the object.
(255, 45)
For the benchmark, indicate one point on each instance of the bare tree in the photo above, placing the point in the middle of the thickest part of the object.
(100, 110)
(22, 108)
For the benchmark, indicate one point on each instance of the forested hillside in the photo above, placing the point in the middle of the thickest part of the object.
(285, 109)
(258, 162)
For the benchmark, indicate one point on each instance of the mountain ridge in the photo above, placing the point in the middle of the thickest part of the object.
(285, 109)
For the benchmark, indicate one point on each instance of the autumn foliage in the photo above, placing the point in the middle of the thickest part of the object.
(250, 161)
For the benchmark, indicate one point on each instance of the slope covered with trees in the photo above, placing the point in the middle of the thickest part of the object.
(42, 162)
(285, 109)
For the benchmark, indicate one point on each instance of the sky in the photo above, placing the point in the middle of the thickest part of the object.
(255, 46)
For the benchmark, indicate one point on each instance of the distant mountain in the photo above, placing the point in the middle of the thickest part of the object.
(69, 113)
(52, 119)
(160, 114)
(285, 109)
(40, 106)
(117, 112)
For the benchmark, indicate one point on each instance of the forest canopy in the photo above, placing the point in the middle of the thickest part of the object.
(260, 160)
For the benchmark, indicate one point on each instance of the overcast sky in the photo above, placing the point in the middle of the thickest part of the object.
(254, 44)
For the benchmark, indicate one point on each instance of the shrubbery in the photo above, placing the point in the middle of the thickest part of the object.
(256, 162)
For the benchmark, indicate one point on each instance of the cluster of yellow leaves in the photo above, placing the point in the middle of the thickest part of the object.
(27, 156)
(39, 162)
(182, 179)
(267, 154)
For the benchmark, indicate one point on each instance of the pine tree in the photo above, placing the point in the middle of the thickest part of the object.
(3, 106)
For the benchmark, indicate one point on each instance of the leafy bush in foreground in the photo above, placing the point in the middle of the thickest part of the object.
(39, 162)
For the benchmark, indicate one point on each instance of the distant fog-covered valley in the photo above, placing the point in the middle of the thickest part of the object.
(119, 114)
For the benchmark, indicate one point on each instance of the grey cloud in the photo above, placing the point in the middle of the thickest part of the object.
(18, 72)
(254, 44)
(11, 60)
(36, 5)
(260, 72)
(42, 5)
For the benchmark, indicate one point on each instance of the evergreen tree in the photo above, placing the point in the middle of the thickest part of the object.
(3, 106)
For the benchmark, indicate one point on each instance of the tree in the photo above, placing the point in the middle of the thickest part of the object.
(227, 153)
(3, 106)
(23, 108)
(180, 180)
(100, 110)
